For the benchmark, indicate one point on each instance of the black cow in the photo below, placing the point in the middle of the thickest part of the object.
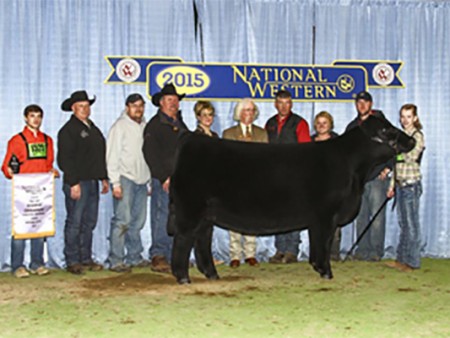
(265, 189)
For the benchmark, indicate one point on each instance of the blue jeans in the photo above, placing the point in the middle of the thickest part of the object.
(371, 246)
(161, 241)
(408, 249)
(128, 220)
(81, 220)
(36, 252)
(288, 242)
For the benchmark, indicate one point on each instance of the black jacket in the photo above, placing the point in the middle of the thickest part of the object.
(377, 170)
(81, 152)
(160, 142)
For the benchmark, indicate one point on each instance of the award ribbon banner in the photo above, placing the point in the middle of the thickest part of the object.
(33, 213)
(338, 82)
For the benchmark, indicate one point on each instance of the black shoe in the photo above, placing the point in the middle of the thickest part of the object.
(76, 269)
(120, 268)
(335, 258)
(142, 264)
(277, 258)
(92, 266)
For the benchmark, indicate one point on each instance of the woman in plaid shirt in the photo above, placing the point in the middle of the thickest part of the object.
(406, 184)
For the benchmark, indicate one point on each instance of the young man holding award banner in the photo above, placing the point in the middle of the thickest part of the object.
(30, 152)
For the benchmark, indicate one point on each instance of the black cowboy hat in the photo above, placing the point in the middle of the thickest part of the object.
(168, 89)
(77, 96)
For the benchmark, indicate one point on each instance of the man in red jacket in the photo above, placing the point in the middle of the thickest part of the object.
(283, 128)
(30, 151)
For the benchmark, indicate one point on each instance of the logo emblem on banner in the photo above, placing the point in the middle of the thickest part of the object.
(383, 74)
(128, 70)
(339, 82)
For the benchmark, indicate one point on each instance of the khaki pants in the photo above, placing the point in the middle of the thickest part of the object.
(241, 243)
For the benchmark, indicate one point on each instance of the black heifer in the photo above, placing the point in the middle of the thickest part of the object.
(265, 189)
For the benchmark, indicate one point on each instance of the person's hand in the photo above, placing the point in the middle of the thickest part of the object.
(105, 186)
(75, 192)
(166, 185)
(117, 192)
(10, 172)
(390, 193)
(384, 174)
(55, 173)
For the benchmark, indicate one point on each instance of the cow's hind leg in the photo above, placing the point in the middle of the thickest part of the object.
(320, 245)
(202, 250)
(182, 246)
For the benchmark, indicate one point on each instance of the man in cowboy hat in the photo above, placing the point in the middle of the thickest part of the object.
(160, 139)
(81, 157)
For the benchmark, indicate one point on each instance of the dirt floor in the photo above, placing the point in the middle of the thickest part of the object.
(363, 300)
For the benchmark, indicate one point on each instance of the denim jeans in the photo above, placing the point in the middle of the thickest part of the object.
(81, 220)
(408, 249)
(36, 252)
(371, 246)
(288, 242)
(129, 217)
(161, 241)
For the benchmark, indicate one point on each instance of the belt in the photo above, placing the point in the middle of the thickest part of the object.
(403, 184)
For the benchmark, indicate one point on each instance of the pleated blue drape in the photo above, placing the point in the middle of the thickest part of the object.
(50, 48)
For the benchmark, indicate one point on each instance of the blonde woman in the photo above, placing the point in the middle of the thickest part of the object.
(323, 126)
(204, 113)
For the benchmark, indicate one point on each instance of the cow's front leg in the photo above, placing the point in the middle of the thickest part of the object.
(320, 243)
(182, 246)
(202, 250)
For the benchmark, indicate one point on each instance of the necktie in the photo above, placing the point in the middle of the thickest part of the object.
(248, 133)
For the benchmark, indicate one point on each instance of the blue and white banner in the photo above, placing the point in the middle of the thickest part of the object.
(261, 82)
(338, 82)
(381, 74)
(132, 69)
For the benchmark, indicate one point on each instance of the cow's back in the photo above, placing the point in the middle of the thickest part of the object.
(264, 187)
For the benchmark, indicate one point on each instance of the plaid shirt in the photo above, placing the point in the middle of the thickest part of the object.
(408, 171)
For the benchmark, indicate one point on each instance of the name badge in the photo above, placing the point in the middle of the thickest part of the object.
(37, 150)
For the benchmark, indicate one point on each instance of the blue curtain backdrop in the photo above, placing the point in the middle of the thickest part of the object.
(50, 48)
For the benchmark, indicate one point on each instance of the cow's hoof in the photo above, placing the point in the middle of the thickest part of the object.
(183, 281)
(213, 277)
(326, 275)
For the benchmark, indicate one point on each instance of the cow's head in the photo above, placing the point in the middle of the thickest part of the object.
(382, 131)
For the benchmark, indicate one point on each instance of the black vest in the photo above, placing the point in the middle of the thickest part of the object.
(288, 131)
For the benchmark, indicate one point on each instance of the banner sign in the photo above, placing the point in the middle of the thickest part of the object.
(231, 82)
(33, 205)
(380, 73)
(338, 82)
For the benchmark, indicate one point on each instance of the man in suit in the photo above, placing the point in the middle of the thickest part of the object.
(245, 113)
